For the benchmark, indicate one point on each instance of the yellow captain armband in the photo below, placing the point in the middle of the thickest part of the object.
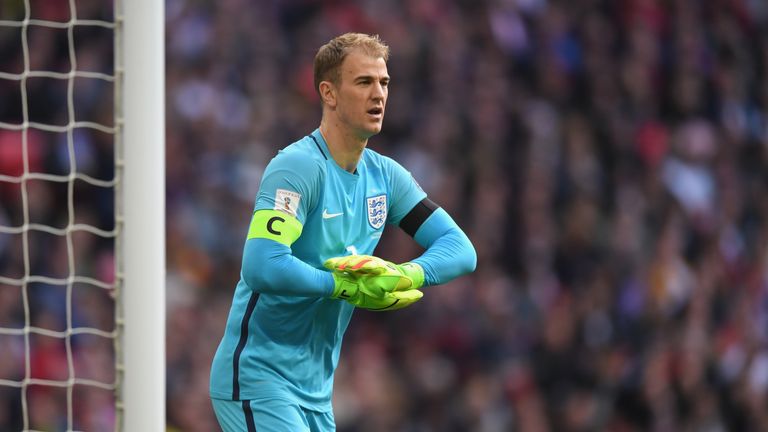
(275, 225)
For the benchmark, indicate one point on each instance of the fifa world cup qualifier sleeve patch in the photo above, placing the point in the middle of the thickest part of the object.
(275, 225)
(287, 201)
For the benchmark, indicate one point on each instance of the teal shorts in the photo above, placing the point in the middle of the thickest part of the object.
(270, 415)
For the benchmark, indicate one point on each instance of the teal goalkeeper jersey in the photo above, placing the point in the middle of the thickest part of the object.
(286, 346)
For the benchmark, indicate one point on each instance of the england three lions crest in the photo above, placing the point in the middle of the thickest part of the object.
(377, 211)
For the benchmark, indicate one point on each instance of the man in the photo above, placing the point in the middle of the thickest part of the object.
(323, 201)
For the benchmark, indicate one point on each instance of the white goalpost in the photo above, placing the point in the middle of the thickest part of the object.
(82, 299)
(141, 69)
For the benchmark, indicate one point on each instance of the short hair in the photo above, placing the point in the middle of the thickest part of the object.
(330, 56)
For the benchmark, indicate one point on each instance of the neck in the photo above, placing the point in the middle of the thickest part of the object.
(346, 148)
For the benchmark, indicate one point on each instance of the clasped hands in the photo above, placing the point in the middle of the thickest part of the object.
(372, 283)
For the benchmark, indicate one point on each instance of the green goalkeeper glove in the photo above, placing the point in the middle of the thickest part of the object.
(350, 288)
(375, 282)
(369, 265)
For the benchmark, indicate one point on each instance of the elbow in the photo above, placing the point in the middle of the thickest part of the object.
(465, 259)
(469, 263)
(265, 281)
(256, 279)
(257, 271)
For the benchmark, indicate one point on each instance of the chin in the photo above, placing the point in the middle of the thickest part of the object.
(370, 131)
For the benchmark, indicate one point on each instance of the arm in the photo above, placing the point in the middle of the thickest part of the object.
(270, 267)
(287, 193)
(449, 253)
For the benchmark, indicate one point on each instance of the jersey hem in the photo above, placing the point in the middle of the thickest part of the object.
(323, 407)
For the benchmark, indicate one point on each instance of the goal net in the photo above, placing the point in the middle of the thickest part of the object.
(65, 261)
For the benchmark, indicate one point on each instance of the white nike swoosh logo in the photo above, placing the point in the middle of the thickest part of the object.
(327, 215)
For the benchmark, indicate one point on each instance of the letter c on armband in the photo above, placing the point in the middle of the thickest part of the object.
(271, 221)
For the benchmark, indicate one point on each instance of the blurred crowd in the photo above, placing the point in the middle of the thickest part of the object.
(608, 159)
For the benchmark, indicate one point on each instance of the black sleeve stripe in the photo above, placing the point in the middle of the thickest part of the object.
(420, 212)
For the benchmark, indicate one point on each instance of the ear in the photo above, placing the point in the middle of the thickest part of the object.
(328, 93)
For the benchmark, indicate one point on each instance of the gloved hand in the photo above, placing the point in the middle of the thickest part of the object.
(362, 265)
(374, 282)
(351, 288)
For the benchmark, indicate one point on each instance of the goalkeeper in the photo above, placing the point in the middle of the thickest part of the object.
(319, 213)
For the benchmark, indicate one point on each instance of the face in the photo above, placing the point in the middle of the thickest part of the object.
(362, 94)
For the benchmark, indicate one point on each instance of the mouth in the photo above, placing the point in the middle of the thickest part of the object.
(376, 112)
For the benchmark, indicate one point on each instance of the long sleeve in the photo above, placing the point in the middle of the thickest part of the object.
(449, 253)
(269, 267)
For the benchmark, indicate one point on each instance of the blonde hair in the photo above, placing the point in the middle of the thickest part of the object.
(330, 56)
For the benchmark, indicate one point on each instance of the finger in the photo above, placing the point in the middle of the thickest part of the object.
(404, 299)
(395, 282)
(332, 263)
(410, 295)
(354, 262)
(363, 265)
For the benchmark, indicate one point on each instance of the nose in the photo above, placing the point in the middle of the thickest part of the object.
(378, 91)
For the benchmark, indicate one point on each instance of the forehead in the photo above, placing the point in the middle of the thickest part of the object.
(358, 63)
